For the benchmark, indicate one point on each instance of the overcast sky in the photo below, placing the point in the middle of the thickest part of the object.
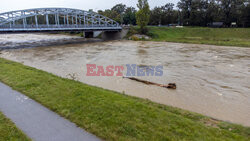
(9, 5)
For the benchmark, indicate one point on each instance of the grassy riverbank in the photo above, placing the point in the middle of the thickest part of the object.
(200, 35)
(114, 116)
(9, 132)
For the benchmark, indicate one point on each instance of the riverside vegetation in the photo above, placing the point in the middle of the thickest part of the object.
(198, 35)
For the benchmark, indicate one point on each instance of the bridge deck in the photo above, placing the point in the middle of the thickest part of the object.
(62, 28)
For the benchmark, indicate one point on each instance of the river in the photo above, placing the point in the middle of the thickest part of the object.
(211, 80)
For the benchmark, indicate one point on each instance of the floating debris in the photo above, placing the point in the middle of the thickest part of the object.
(169, 86)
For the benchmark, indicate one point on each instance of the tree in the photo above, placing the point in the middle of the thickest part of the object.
(143, 15)
(115, 13)
(156, 16)
(199, 12)
(164, 15)
(213, 12)
(189, 12)
(246, 15)
(169, 14)
(129, 16)
(120, 9)
(185, 8)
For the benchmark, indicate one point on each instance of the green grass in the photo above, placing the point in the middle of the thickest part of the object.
(114, 116)
(9, 132)
(200, 35)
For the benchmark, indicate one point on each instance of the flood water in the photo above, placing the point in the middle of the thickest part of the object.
(211, 80)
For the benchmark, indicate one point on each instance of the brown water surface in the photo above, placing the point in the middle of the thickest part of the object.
(211, 80)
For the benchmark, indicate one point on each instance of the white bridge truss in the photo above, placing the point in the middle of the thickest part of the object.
(64, 19)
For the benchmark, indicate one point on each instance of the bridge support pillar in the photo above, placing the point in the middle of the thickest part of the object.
(114, 35)
(89, 34)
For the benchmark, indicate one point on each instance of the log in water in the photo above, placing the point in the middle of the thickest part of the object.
(169, 86)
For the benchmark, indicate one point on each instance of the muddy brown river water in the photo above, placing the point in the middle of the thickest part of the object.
(211, 80)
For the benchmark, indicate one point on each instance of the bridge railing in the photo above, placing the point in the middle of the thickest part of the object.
(53, 26)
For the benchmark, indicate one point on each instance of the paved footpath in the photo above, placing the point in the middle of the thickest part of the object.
(36, 121)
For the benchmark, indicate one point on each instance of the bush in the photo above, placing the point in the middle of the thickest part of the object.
(143, 30)
(152, 35)
(134, 38)
(81, 34)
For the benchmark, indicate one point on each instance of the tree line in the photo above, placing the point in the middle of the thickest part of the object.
(187, 13)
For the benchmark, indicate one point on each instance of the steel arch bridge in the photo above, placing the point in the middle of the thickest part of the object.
(55, 19)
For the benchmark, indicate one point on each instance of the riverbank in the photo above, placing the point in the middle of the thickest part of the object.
(200, 35)
(114, 116)
(9, 132)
